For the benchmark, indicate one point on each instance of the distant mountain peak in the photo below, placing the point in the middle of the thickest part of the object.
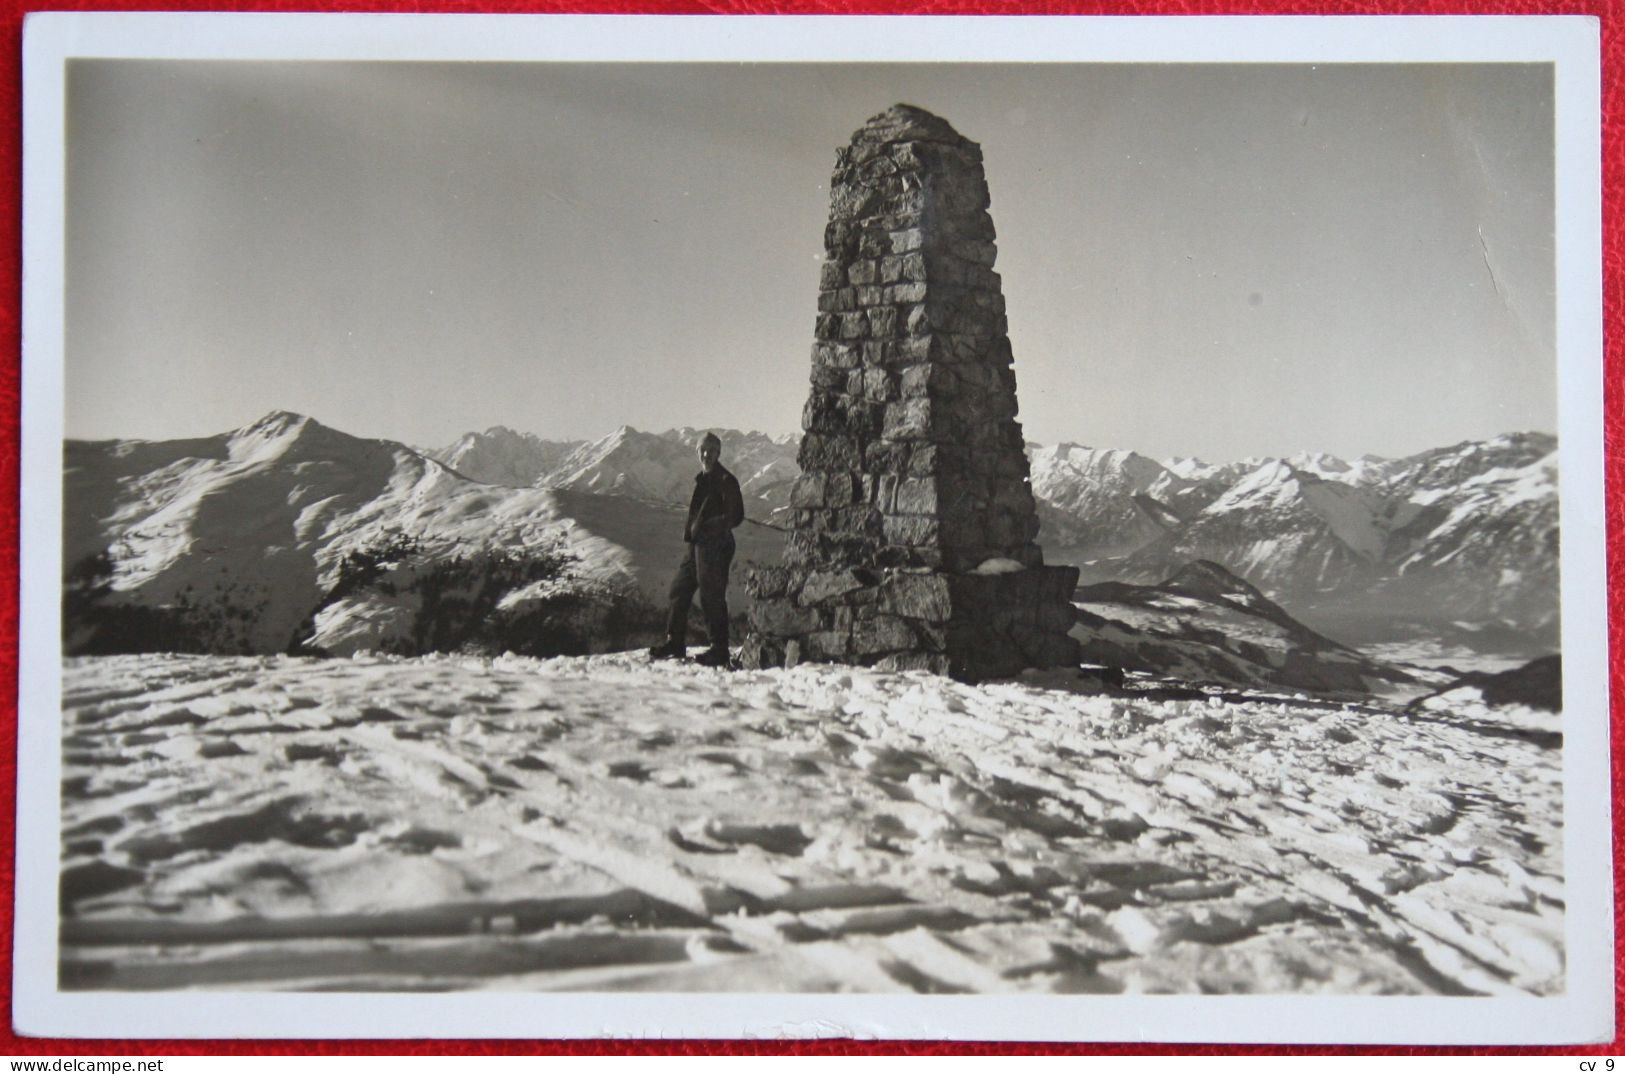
(503, 432)
(280, 432)
(280, 420)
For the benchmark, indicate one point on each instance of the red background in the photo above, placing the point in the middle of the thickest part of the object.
(1611, 14)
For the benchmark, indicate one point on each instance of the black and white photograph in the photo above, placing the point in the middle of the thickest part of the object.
(753, 534)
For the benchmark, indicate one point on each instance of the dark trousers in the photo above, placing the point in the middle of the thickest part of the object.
(704, 569)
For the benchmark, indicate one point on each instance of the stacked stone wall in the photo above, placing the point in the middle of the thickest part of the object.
(914, 476)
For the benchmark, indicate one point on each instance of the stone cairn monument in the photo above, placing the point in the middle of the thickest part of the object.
(914, 526)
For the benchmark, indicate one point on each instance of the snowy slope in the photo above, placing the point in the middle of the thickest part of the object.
(587, 824)
(1206, 626)
(1528, 697)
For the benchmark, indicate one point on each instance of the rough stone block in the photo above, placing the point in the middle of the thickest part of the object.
(975, 250)
(909, 557)
(908, 419)
(823, 414)
(881, 634)
(908, 239)
(884, 457)
(859, 520)
(861, 272)
(827, 452)
(972, 226)
(935, 663)
(837, 301)
(1003, 531)
(877, 352)
(800, 548)
(924, 460)
(882, 490)
(826, 379)
(753, 654)
(1052, 650)
(908, 203)
(917, 596)
(1056, 617)
(947, 272)
(836, 355)
(1014, 498)
(780, 617)
(825, 585)
(930, 380)
(842, 489)
(879, 385)
(763, 582)
(824, 645)
(808, 491)
(874, 244)
(882, 322)
(998, 659)
(840, 240)
(932, 637)
(916, 496)
(912, 350)
(1060, 583)
(896, 221)
(907, 158)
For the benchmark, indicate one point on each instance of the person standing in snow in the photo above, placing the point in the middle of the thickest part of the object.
(714, 510)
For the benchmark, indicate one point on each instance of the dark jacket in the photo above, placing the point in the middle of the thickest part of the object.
(715, 508)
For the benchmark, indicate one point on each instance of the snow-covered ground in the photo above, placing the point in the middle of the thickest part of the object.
(600, 823)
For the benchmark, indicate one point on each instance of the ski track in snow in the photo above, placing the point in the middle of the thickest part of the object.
(599, 823)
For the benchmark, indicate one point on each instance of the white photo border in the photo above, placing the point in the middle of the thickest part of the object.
(1583, 1013)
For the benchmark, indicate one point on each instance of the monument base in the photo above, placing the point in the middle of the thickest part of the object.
(970, 626)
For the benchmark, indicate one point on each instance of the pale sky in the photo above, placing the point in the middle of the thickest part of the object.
(1220, 261)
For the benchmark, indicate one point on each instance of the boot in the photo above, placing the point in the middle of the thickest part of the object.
(669, 650)
(715, 657)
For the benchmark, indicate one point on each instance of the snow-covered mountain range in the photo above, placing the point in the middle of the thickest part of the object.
(1460, 539)
(627, 462)
(501, 456)
(289, 534)
(245, 533)
(1464, 535)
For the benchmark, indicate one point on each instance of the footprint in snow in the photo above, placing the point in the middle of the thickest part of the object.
(727, 760)
(415, 840)
(786, 839)
(636, 771)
